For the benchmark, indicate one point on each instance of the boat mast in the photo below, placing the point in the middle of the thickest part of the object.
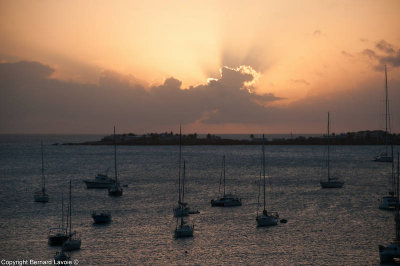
(386, 112)
(180, 159)
(329, 174)
(115, 158)
(263, 162)
(393, 173)
(183, 189)
(70, 209)
(397, 216)
(62, 209)
(43, 178)
(223, 162)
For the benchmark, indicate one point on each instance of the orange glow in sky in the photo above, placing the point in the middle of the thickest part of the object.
(300, 51)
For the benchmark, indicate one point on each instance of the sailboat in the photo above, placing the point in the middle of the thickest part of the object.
(389, 202)
(73, 242)
(100, 181)
(266, 218)
(182, 209)
(115, 189)
(58, 235)
(41, 195)
(332, 182)
(385, 156)
(227, 200)
(387, 254)
(183, 229)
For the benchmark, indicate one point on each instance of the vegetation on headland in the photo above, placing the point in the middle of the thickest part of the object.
(376, 137)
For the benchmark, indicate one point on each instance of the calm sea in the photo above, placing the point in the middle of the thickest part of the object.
(325, 227)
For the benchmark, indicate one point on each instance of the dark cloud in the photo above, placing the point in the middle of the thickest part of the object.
(370, 53)
(50, 105)
(24, 70)
(43, 104)
(386, 54)
(385, 47)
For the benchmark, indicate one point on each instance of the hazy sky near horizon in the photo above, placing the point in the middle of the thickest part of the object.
(212, 66)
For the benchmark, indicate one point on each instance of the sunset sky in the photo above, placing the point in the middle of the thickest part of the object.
(212, 66)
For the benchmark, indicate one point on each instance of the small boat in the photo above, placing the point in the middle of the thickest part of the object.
(61, 258)
(389, 253)
(41, 195)
(385, 157)
(101, 217)
(265, 218)
(58, 235)
(332, 182)
(115, 189)
(183, 229)
(100, 181)
(227, 200)
(182, 210)
(73, 242)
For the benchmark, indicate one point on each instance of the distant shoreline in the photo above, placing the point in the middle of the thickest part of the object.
(376, 137)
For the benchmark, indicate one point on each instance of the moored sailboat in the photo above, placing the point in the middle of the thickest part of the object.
(332, 182)
(73, 242)
(100, 181)
(227, 200)
(41, 195)
(182, 210)
(115, 189)
(266, 218)
(389, 253)
(58, 235)
(183, 229)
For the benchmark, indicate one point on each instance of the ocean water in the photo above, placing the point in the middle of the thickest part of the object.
(325, 227)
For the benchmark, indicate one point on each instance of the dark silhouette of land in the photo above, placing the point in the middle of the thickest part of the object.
(376, 137)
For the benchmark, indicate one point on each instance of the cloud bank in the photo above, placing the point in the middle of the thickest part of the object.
(31, 101)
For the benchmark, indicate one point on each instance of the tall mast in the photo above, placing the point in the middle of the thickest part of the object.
(329, 174)
(115, 157)
(397, 199)
(183, 188)
(43, 178)
(70, 208)
(393, 173)
(62, 209)
(386, 111)
(223, 162)
(263, 163)
(180, 158)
